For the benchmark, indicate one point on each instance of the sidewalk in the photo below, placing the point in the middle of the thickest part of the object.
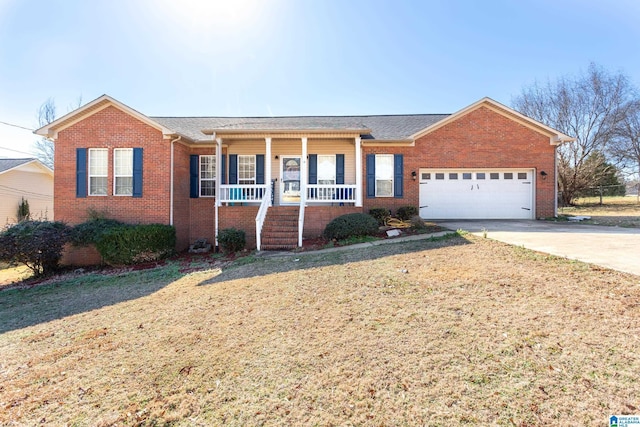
(284, 254)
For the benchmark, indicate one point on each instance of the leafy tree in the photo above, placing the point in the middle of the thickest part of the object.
(589, 107)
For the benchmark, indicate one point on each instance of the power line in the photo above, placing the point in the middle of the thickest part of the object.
(24, 192)
(16, 126)
(17, 151)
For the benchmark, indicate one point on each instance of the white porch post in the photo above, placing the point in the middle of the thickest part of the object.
(267, 161)
(358, 144)
(303, 173)
(218, 181)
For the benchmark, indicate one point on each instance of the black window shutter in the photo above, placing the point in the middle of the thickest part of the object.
(223, 173)
(259, 168)
(81, 172)
(313, 168)
(398, 175)
(233, 169)
(371, 175)
(339, 168)
(194, 163)
(137, 172)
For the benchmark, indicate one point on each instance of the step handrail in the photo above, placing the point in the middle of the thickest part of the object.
(262, 214)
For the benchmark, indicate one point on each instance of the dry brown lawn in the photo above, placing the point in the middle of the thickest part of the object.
(459, 331)
(614, 211)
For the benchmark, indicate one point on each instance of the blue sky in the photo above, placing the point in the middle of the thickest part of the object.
(297, 57)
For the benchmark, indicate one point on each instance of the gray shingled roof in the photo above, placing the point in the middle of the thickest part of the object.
(393, 127)
(6, 164)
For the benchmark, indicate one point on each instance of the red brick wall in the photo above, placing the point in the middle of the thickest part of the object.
(410, 188)
(480, 139)
(181, 200)
(111, 128)
(316, 218)
(80, 256)
(240, 218)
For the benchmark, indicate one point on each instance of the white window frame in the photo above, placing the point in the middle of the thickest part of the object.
(384, 178)
(244, 162)
(212, 165)
(91, 173)
(328, 158)
(117, 175)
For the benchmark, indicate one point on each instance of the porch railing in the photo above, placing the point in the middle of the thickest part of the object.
(336, 193)
(262, 214)
(243, 193)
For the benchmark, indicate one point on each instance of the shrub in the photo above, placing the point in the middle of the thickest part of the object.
(406, 212)
(355, 224)
(232, 240)
(90, 232)
(380, 214)
(36, 244)
(131, 244)
(417, 223)
(24, 213)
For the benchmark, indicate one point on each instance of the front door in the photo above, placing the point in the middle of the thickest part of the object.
(290, 180)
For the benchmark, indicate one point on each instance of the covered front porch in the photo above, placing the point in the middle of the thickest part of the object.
(287, 170)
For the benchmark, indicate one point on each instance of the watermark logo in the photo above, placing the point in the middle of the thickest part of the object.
(624, 421)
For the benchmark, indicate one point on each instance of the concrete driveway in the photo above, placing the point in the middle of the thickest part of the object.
(612, 247)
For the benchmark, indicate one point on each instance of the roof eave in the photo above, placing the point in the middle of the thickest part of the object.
(387, 142)
(51, 130)
(561, 138)
(557, 138)
(37, 162)
(226, 131)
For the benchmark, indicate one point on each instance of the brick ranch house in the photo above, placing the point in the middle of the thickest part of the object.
(282, 179)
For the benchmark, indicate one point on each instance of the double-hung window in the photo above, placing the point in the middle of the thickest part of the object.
(326, 175)
(123, 171)
(98, 171)
(384, 175)
(246, 169)
(207, 176)
(326, 169)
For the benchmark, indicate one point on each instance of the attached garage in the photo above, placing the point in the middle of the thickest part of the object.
(477, 193)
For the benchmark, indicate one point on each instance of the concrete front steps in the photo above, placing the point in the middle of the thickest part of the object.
(280, 228)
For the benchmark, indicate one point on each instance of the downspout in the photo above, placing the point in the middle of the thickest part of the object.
(555, 184)
(218, 142)
(173, 141)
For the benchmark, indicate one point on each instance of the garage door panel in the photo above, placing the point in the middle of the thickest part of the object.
(476, 198)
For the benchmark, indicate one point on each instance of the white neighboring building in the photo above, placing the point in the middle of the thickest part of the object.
(28, 178)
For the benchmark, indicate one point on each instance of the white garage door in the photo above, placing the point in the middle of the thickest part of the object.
(476, 194)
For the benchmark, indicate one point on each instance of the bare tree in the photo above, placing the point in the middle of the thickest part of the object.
(47, 114)
(44, 147)
(627, 146)
(589, 107)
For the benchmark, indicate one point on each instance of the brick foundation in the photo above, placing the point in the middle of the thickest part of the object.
(316, 218)
(81, 256)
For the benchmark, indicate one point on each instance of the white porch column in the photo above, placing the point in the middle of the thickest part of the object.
(358, 144)
(267, 163)
(219, 172)
(304, 173)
